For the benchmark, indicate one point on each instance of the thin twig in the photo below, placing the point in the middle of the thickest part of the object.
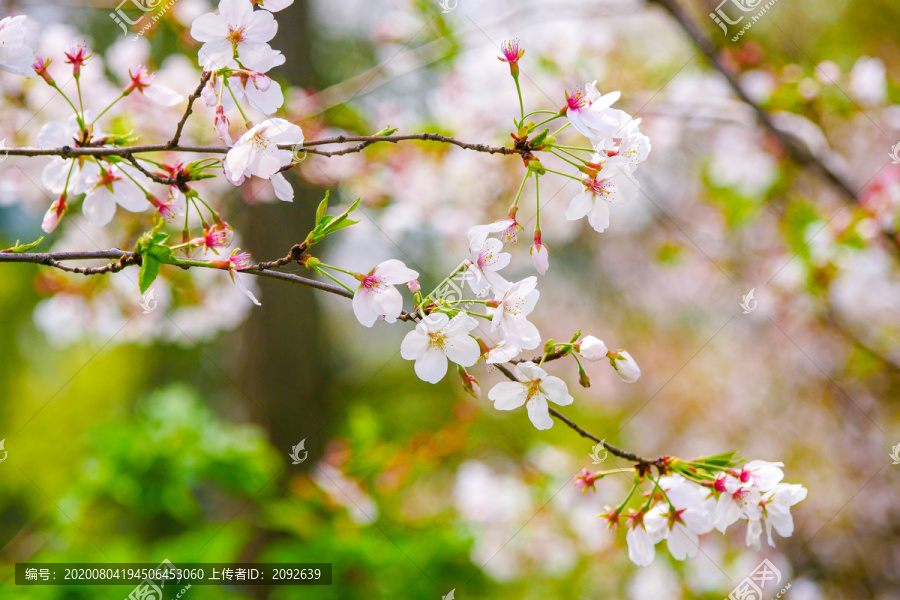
(646, 462)
(190, 108)
(799, 152)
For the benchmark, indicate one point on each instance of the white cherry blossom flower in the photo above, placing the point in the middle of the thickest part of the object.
(484, 265)
(692, 516)
(256, 153)
(15, 55)
(741, 492)
(645, 530)
(438, 338)
(237, 32)
(534, 389)
(633, 149)
(377, 296)
(478, 234)
(113, 185)
(510, 315)
(501, 353)
(777, 509)
(596, 197)
(141, 80)
(56, 135)
(591, 114)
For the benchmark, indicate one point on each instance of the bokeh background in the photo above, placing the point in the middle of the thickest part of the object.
(138, 437)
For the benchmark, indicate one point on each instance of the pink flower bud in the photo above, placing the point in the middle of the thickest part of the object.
(413, 286)
(55, 214)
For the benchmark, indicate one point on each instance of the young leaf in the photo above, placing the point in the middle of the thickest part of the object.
(149, 271)
(20, 248)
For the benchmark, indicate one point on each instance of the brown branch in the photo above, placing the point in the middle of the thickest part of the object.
(125, 151)
(798, 151)
(190, 108)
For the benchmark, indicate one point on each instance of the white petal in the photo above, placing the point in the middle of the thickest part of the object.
(99, 206)
(362, 308)
(393, 271)
(556, 390)
(507, 395)
(539, 412)
(283, 189)
(414, 344)
(431, 366)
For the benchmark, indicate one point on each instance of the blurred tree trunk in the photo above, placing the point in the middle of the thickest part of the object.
(284, 367)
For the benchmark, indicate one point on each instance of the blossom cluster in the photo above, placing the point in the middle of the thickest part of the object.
(681, 507)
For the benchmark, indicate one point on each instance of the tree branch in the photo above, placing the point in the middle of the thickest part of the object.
(797, 149)
(190, 108)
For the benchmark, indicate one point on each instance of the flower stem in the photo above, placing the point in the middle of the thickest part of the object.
(560, 129)
(521, 187)
(521, 104)
(563, 174)
(537, 202)
(103, 112)
(334, 279)
(545, 121)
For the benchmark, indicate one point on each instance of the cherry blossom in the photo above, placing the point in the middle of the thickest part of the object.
(633, 149)
(478, 234)
(595, 199)
(56, 135)
(484, 265)
(534, 389)
(510, 315)
(777, 509)
(741, 492)
(113, 185)
(438, 338)
(645, 530)
(237, 32)
(15, 55)
(141, 81)
(377, 297)
(591, 114)
(256, 153)
(688, 515)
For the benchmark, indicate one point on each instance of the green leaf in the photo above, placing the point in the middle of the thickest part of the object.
(149, 271)
(20, 248)
(323, 208)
